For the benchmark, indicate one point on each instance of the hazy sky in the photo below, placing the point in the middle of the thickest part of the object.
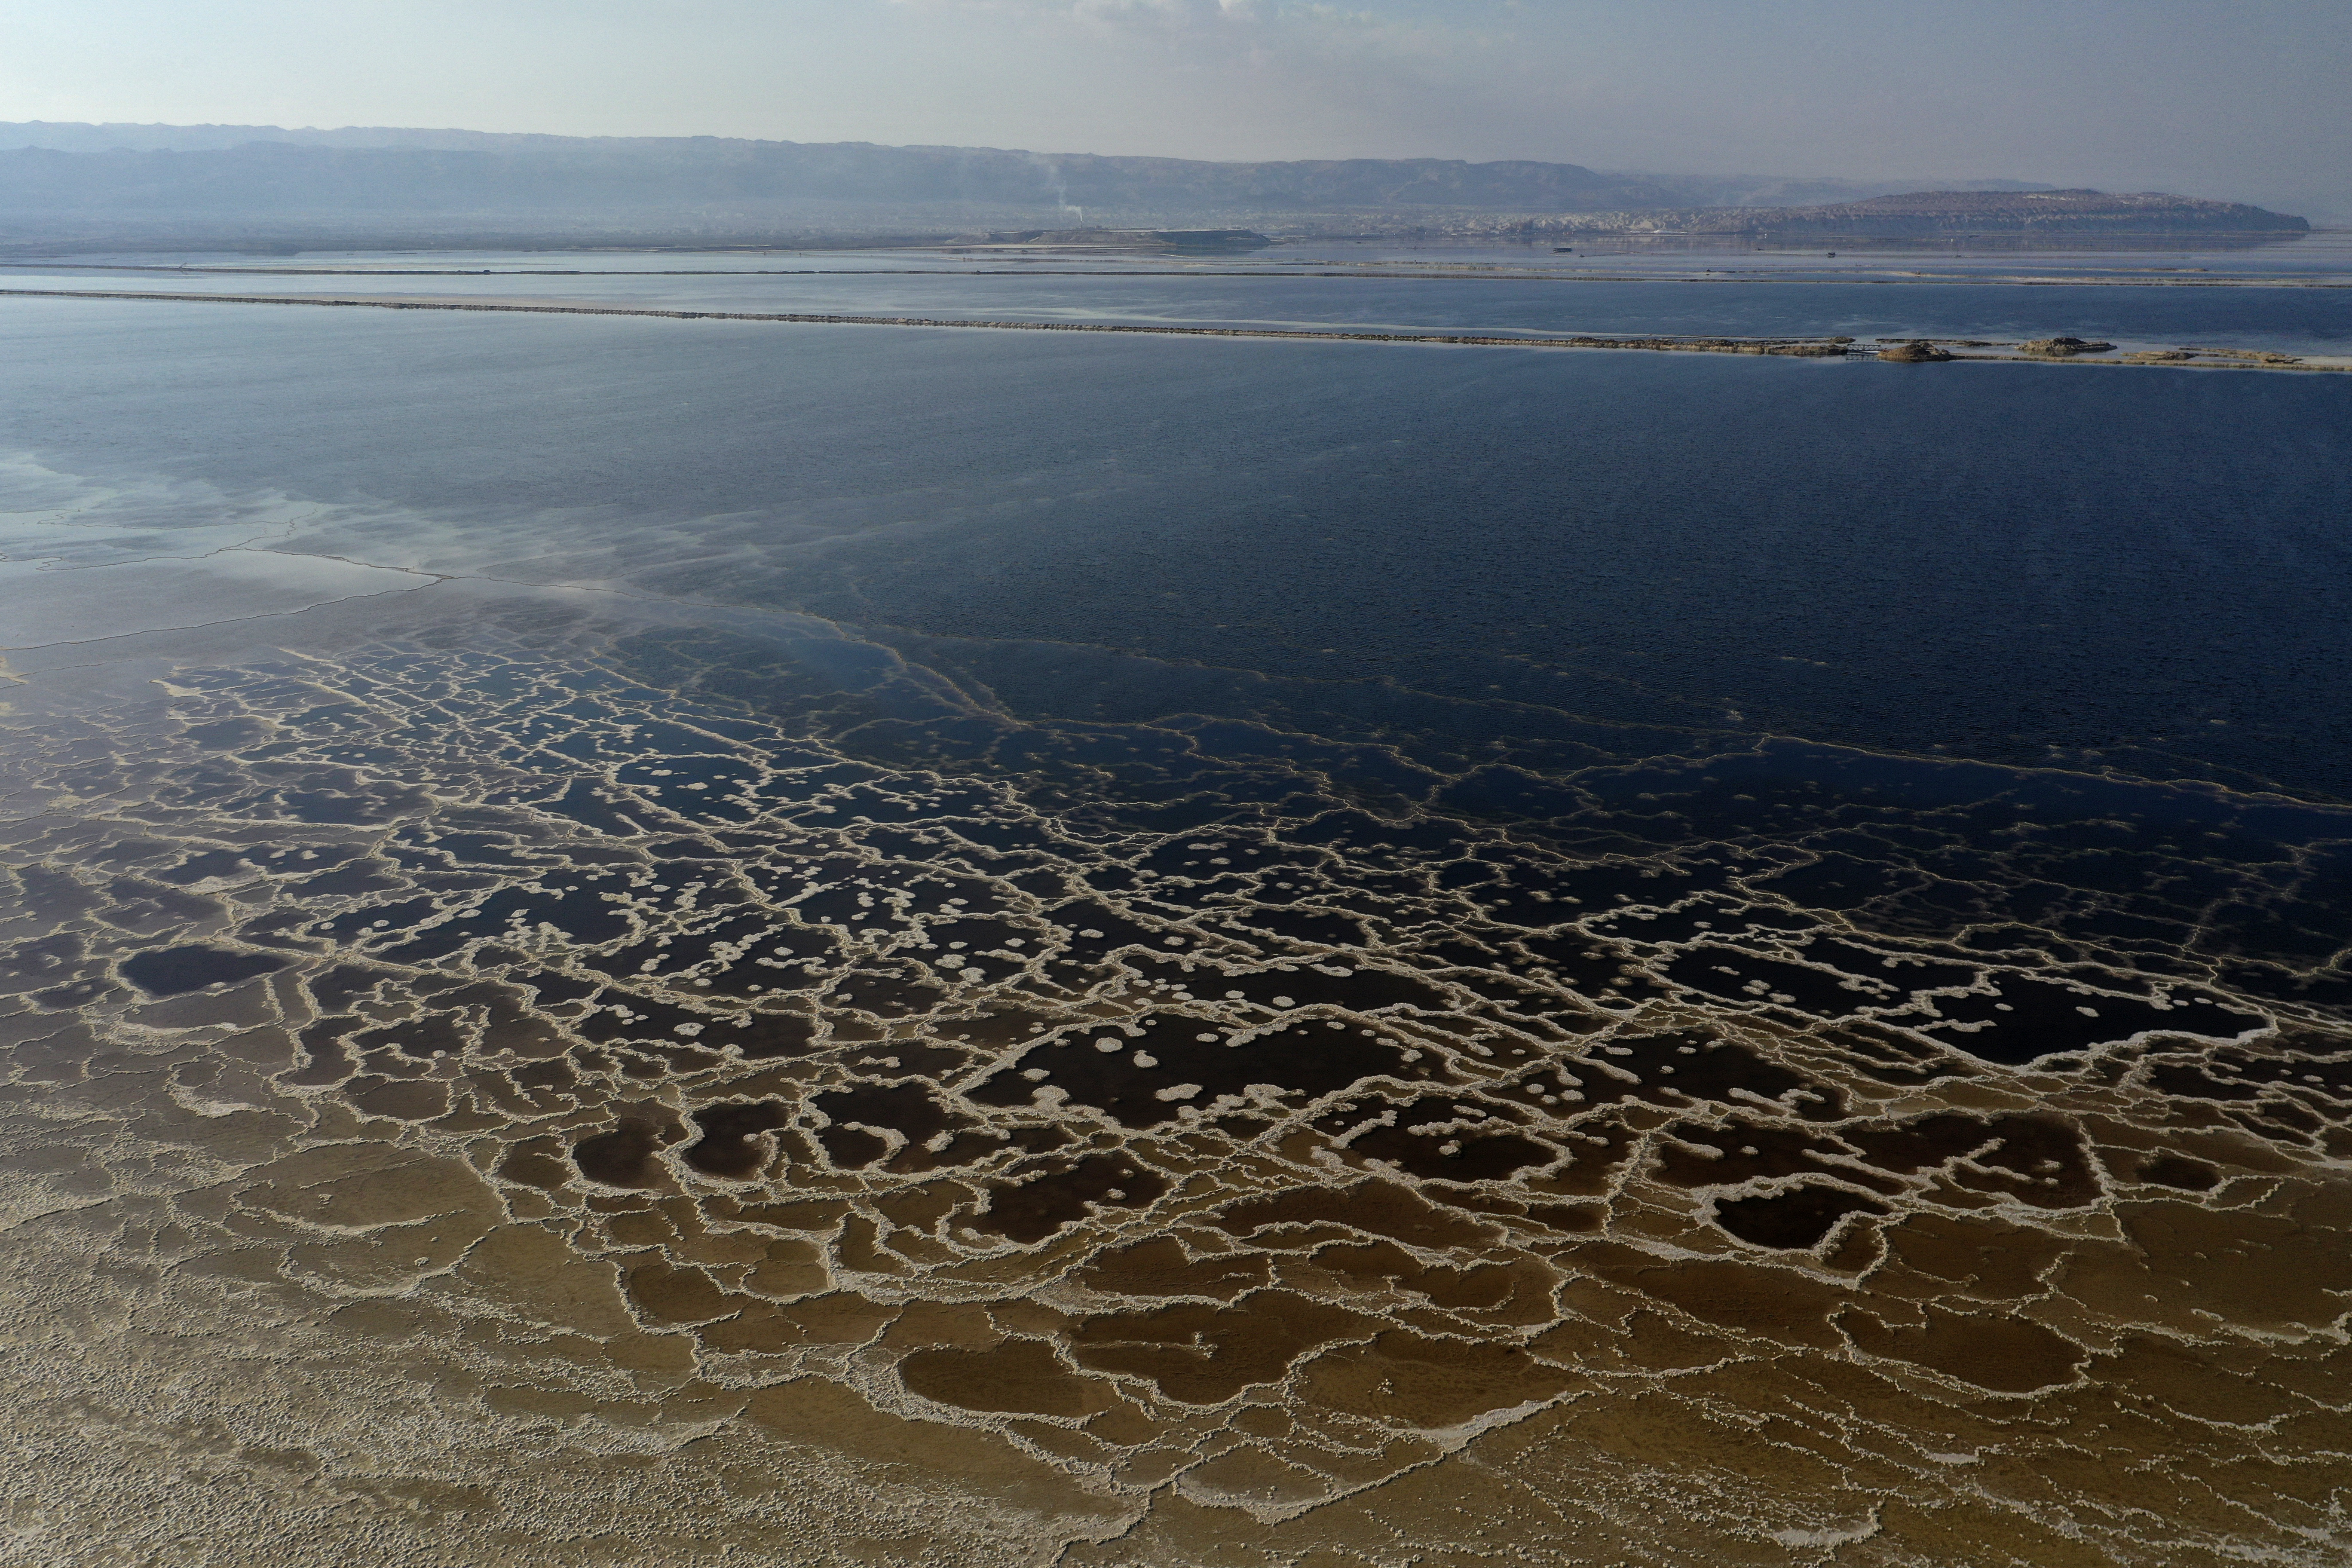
(2242, 99)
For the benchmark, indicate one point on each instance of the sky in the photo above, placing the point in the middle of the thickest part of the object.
(2242, 100)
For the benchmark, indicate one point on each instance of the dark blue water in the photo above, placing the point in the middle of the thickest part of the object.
(2140, 571)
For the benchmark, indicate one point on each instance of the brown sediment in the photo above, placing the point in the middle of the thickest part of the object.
(622, 1157)
(1207, 1220)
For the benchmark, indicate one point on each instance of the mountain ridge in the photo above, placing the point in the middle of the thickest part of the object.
(1135, 184)
(179, 186)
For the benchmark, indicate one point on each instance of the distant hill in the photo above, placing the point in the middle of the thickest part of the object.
(95, 178)
(1927, 215)
(600, 179)
(1922, 213)
(180, 187)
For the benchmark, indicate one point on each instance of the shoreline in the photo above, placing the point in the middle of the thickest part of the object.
(1788, 347)
(1460, 272)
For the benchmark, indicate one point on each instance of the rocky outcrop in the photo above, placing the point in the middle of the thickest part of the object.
(2065, 348)
(1922, 352)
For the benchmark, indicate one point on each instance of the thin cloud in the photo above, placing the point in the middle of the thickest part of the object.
(1339, 65)
(1217, 22)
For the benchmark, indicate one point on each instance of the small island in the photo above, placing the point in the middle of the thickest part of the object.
(1123, 241)
(2065, 348)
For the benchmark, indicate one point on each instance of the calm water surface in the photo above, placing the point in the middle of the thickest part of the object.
(1110, 946)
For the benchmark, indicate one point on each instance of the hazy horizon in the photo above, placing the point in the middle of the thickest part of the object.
(2171, 96)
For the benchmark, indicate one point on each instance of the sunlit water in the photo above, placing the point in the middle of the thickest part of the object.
(640, 938)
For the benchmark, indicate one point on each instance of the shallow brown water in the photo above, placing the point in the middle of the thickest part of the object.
(506, 1099)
